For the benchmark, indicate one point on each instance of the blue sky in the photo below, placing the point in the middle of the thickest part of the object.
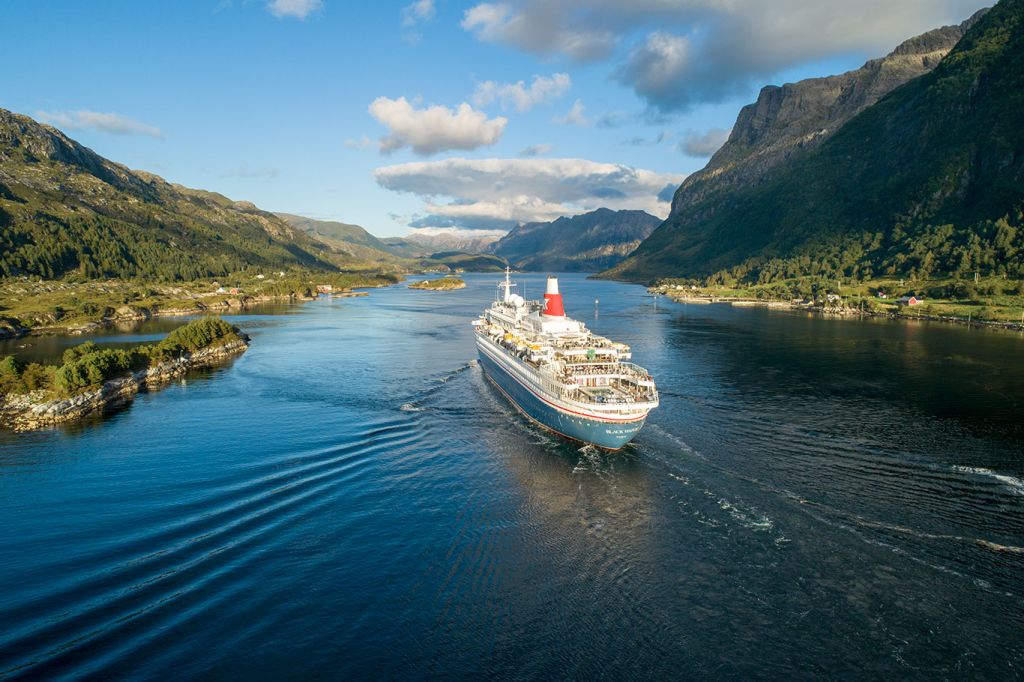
(270, 100)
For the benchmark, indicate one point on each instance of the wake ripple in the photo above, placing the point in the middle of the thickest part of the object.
(214, 540)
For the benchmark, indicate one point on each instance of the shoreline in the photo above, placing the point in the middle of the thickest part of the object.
(432, 285)
(129, 314)
(836, 311)
(30, 411)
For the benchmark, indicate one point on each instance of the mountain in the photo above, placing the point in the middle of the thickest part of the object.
(461, 260)
(65, 210)
(794, 117)
(344, 238)
(403, 248)
(451, 241)
(345, 232)
(589, 242)
(927, 180)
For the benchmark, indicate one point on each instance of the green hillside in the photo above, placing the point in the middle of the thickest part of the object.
(344, 232)
(927, 182)
(67, 212)
(403, 248)
(349, 241)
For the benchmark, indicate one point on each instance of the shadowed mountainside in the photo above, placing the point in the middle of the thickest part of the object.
(589, 242)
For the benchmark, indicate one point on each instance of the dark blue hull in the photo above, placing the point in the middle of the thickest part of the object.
(603, 434)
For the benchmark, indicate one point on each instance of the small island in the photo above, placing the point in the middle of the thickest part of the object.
(90, 379)
(442, 284)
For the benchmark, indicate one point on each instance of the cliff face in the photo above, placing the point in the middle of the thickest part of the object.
(795, 117)
(588, 242)
(926, 181)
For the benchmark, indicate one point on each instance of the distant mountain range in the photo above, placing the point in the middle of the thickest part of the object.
(450, 241)
(589, 242)
(911, 165)
(461, 260)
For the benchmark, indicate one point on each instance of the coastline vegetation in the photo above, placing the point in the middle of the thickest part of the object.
(32, 303)
(86, 366)
(994, 298)
(442, 284)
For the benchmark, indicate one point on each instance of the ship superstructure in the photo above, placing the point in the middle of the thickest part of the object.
(559, 373)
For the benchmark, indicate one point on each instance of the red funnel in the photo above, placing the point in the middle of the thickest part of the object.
(553, 300)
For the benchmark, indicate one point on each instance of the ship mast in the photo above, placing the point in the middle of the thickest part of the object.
(507, 284)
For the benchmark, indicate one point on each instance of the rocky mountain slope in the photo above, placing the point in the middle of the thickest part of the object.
(788, 119)
(927, 180)
(65, 210)
(589, 242)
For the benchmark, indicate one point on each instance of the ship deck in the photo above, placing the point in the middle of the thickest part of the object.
(607, 394)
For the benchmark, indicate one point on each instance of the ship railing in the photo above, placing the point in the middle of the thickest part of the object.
(636, 370)
(612, 369)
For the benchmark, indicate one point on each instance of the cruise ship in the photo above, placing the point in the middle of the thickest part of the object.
(560, 374)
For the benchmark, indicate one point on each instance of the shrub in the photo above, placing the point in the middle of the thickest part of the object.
(94, 368)
(87, 366)
(37, 377)
(10, 375)
(198, 334)
(82, 349)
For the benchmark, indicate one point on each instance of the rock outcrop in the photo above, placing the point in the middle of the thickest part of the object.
(32, 411)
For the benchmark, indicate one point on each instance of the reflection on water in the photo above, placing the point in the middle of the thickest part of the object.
(814, 497)
(127, 333)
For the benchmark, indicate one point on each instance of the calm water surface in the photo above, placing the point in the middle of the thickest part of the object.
(352, 499)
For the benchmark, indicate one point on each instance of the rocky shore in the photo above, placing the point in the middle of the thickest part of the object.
(35, 410)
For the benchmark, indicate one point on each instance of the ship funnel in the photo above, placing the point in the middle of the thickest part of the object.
(553, 300)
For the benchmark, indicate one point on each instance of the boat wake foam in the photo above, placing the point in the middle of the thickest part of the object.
(1015, 484)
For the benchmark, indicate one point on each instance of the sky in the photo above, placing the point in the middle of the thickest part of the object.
(433, 115)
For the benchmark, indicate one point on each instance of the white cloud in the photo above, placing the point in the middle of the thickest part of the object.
(576, 116)
(456, 232)
(703, 144)
(418, 12)
(500, 193)
(114, 124)
(540, 28)
(435, 128)
(537, 150)
(359, 142)
(414, 15)
(543, 90)
(706, 50)
(298, 9)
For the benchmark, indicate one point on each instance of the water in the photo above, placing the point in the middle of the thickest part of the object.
(351, 498)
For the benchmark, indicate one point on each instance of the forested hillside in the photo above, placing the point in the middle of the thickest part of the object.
(66, 211)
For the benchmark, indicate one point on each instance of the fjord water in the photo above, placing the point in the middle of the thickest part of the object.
(352, 498)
